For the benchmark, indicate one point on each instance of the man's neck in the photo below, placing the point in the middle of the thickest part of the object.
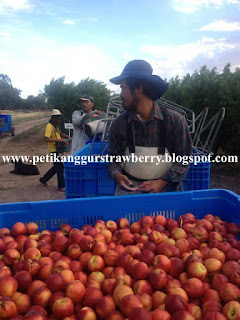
(144, 109)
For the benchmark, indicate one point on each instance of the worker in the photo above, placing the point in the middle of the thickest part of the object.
(147, 130)
(80, 138)
(53, 135)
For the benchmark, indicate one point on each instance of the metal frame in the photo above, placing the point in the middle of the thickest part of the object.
(215, 122)
(114, 108)
(200, 119)
(197, 125)
(187, 113)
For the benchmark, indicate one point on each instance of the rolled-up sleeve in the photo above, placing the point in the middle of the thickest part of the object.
(76, 118)
(181, 144)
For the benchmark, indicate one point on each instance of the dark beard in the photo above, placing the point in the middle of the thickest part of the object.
(133, 105)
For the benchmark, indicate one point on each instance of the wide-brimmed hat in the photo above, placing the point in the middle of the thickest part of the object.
(86, 97)
(142, 70)
(56, 112)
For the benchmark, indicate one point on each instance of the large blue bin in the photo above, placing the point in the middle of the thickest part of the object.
(78, 212)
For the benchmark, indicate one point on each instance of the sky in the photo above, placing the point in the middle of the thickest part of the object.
(41, 40)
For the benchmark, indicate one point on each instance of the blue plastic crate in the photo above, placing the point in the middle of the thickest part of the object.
(91, 140)
(198, 176)
(91, 180)
(78, 212)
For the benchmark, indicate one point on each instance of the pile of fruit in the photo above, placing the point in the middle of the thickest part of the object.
(153, 269)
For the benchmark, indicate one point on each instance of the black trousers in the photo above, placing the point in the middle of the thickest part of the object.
(58, 169)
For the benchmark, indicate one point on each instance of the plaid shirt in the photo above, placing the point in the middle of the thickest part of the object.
(147, 135)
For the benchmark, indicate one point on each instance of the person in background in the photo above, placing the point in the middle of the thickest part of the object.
(54, 134)
(79, 138)
(146, 129)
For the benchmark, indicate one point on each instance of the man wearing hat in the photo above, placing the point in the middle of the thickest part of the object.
(79, 138)
(146, 131)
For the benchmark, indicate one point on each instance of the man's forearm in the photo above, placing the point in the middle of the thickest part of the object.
(114, 168)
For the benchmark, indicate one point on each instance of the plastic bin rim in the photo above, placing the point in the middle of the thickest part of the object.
(152, 195)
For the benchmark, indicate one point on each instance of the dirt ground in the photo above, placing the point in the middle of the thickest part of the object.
(225, 177)
(18, 188)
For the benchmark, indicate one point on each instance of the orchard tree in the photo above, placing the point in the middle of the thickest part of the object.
(208, 88)
(97, 89)
(38, 102)
(64, 96)
(9, 96)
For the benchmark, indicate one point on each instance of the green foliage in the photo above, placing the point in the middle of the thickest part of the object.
(208, 88)
(9, 96)
(38, 102)
(203, 88)
(64, 96)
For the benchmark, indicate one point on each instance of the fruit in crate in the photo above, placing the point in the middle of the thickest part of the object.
(154, 268)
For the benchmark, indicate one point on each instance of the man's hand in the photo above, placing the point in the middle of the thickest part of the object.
(98, 112)
(153, 186)
(124, 182)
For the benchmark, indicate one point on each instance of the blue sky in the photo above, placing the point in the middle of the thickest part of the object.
(41, 40)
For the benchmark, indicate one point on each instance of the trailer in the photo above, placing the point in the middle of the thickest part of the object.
(6, 125)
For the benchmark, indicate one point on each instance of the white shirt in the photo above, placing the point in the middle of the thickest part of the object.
(79, 138)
